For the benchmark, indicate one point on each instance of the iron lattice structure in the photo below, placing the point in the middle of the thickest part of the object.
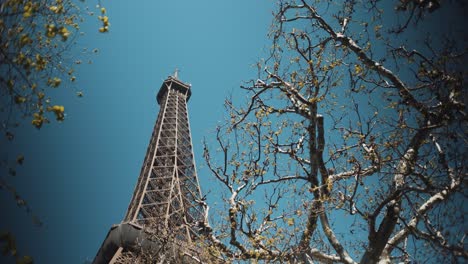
(166, 194)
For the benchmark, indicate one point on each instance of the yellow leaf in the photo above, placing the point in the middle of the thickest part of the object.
(58, 111)
(24, 40)
(28, 10)
(55, 82)
(358, 69)
(63, 31)
(20, 99)
(38, 120)
(40, 62)
(51, 30)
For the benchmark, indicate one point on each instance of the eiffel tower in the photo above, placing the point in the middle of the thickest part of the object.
(162, 217)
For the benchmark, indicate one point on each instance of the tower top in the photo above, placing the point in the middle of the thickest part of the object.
(172, 82)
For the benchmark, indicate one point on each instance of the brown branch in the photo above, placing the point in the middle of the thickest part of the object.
(344, 256)
(252, 103)
(366, 60)
(379, 239)
(422, 210)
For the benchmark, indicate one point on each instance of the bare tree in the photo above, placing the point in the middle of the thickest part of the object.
(351, 145)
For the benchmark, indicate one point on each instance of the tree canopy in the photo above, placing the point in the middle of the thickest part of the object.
(350, 146)
(36, 39)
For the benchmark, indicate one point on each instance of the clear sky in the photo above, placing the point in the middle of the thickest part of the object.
(78, 176)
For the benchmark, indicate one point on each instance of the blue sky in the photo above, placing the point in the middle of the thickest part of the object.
(79, 175)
